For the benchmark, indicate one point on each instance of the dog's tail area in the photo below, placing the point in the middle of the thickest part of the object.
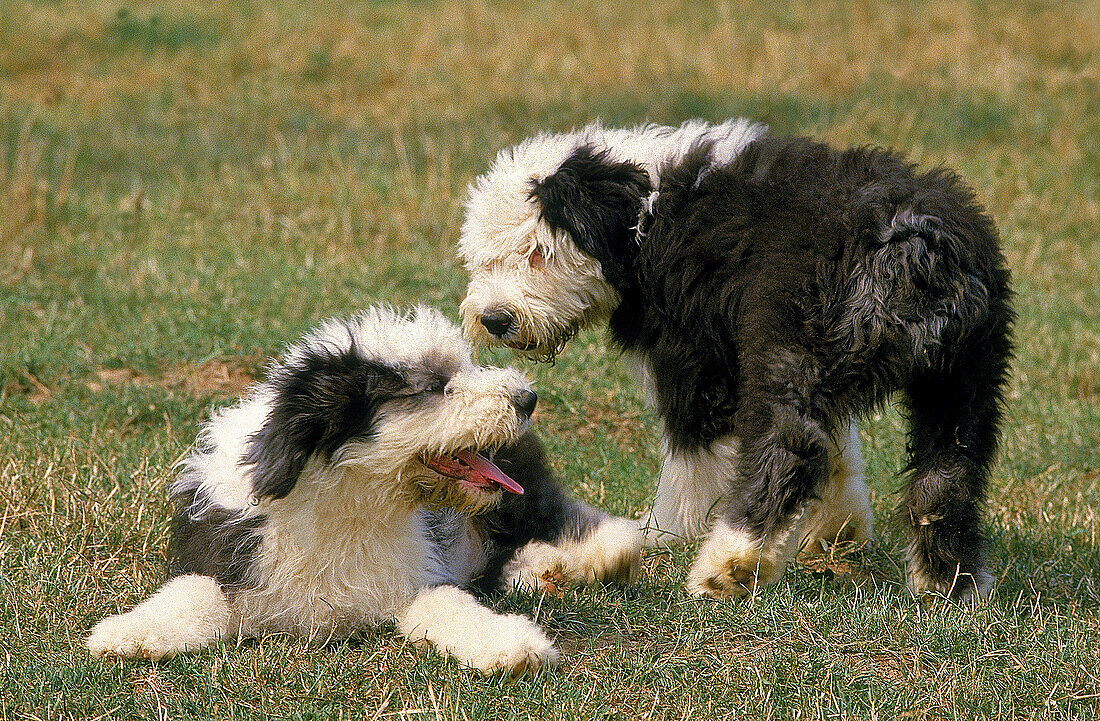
(929, 273)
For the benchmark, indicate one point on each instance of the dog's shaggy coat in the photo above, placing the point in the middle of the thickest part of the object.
(767, 297)
(529, 281)
(346, 491)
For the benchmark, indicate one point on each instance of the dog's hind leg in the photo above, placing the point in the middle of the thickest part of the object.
(952, 440)
(187, 613)
(783, 462)
(694, 485)
(457, 625)
(665, 523)
(843, 512)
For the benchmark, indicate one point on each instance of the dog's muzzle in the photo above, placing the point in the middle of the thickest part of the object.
(498, 322)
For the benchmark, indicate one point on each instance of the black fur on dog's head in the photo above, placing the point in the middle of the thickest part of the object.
(398, 398)
(596, 200)
(326, 399)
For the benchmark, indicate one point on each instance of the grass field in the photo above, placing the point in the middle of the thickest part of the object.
(185, 186)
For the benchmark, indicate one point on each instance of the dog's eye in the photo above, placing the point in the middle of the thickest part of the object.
(537, 259)
(435, 385)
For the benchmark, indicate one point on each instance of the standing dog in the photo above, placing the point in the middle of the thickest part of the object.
(530, 281)
(350, 489)
(768, 290)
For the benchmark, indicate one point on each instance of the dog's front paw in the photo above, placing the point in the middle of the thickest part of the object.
(187, 613)
(457, 625)
(517, 647)
(127, 636)
(537, 567)
(612, 552)
(732, 564)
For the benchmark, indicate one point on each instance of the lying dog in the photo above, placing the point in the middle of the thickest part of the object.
(767, 290)
(351, 488)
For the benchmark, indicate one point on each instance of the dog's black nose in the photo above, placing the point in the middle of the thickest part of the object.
(525, 401)
(497, 322)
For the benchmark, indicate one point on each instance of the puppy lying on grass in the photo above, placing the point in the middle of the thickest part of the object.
(354, 487)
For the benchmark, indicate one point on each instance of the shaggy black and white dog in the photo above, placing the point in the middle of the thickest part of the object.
(349, 489)
(767, 295)
(529, 280)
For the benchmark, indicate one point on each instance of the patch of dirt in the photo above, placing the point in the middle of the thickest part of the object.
(842, 563)
(27, 385)
(213, 377)
(600, 416)
(150, 682)
(893, 667)
(1088, 384)
(625, 428)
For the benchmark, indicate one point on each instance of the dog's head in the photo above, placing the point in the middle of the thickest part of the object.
(546, 242)
(549, 234)
(390, 400)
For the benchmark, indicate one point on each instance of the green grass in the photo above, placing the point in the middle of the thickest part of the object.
(186, 186)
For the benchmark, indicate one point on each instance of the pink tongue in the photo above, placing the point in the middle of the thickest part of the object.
(487, 470)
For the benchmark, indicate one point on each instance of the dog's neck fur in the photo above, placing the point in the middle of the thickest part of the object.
(603, 198)
(655, 309)
(375, 561)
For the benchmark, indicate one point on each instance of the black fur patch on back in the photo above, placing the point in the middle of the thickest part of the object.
(596, 200)
(212, 541)
(798, 285)
(321, 402)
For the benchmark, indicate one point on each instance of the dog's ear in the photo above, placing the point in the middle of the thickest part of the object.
(596, 200)
(321, 400)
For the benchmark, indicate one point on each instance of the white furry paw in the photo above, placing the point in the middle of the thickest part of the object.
(517, 647)
(537, 568)
(124, 636)
(186, 614)
(843, 512)
(832, 521)
(612, 552)
(732, 564)
(457, 625)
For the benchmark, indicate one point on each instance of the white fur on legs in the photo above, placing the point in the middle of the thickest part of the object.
(610, 552)
(733, 563)
(690, 490)
(844, 511)
(538, 566)
(187, 613)
(455, 623)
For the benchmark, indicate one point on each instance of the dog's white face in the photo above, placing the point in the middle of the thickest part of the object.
(531, 284)
(388, 399)
(531, 288)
